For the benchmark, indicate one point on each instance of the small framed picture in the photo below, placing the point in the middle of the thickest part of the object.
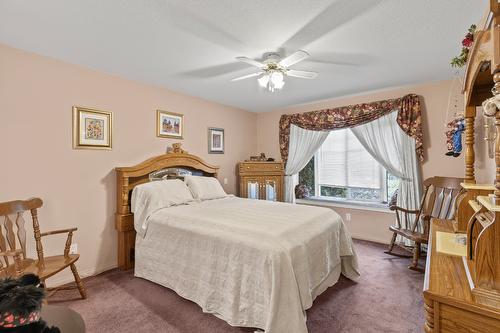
(215, 140)
(92, 129)
(169, 124)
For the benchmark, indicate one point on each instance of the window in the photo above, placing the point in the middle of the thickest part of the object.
(343, 170)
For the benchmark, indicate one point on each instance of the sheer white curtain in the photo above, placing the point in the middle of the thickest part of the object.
(395, 150)
(303, 144)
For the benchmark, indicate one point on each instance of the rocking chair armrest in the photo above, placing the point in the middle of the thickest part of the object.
(55, 232)
(404, 210)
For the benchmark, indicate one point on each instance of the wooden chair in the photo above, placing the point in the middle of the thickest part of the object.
(13, 260)
(438, 201)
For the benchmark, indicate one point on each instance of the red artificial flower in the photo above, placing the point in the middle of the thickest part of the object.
(467, 42)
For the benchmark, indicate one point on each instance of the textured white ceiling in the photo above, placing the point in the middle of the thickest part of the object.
(190, 45)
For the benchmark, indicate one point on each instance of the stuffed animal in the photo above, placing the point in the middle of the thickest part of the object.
(20, 304)
(301, 191)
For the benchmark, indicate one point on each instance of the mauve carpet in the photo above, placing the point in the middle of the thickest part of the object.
(386, 298)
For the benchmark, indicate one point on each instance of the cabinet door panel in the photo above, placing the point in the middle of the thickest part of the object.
(270, 189)
(252, 188)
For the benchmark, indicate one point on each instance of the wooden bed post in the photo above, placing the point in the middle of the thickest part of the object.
(470, 114)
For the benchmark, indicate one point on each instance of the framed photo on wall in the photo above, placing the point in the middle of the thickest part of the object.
(92, 129)
(215, 140)
(169, 124)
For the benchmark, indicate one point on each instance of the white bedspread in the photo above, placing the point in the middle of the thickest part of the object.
(250, 262)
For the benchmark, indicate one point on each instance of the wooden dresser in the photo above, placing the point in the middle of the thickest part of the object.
(262, 180)
(450, 305)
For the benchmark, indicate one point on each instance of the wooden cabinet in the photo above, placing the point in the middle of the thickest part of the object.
(262, 180)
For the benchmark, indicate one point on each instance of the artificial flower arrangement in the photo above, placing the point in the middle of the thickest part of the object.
(461, 60)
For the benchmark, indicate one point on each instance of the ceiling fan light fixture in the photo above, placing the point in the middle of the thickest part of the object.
(279, 85)
(276, 81)
(263, 80)
(273, 69)
(272, 80)
(277, 78)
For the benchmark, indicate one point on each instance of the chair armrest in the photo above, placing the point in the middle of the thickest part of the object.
(68, 240)
(404, 210)
(55, 232)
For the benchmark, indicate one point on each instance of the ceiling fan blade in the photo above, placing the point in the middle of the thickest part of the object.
(246, 76)
(294, 58)
(250, 61)
(301, 74)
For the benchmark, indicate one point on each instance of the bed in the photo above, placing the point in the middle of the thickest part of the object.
(251, 263)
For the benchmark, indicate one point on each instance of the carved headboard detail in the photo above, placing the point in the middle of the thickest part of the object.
(172, 173)
(129, 177)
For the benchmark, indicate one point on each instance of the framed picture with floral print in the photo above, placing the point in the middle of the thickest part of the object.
(169, 124)
(215, 140)
(92, 129)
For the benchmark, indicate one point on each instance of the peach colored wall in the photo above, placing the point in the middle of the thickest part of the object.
(78, 186)
(373, 225)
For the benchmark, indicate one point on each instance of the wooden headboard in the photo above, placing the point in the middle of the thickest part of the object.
(129, 177)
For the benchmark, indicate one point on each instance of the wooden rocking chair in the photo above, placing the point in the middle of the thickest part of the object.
(13, 260)
(438, 201)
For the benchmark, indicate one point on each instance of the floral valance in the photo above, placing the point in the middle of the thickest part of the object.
(409, 119)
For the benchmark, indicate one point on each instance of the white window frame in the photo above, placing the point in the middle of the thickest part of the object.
(317, 185)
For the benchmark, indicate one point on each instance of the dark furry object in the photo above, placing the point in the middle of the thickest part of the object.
(21, 297)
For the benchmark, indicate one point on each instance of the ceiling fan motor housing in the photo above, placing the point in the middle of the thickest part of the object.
(271, 57)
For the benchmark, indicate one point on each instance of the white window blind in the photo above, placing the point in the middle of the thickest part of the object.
(342, 161)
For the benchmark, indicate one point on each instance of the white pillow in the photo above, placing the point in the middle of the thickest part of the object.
(149, 197)
(205, 188)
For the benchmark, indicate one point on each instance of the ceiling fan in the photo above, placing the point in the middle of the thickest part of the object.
(273, 69)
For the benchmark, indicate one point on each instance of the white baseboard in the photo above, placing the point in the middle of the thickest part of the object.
(371, 239)
(66, 276)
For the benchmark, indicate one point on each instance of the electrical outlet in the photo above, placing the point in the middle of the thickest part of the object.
(347, 216)
(225, 181)
(73, 249)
